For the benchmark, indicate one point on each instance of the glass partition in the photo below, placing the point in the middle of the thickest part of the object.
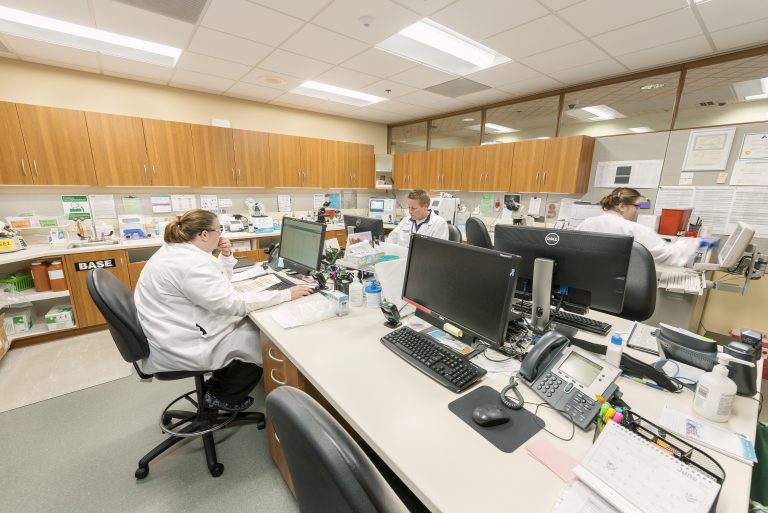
(534, 119)
(455, 131)
(407, 138)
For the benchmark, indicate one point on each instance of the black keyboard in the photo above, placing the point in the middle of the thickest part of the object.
(433, 359)
(284, 283)
(571, 319)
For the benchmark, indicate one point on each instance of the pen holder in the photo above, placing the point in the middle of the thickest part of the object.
(342, 283)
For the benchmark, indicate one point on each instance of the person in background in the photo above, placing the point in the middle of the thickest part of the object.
(620, 217)
(420, 220)
(193, 317)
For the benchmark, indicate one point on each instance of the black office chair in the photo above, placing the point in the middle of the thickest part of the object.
(330, 473)
(640, 290)
(115, 302)
(454, 234)
(477, 233)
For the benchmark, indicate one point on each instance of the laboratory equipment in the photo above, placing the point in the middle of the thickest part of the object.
(382, 208)
(445, 208)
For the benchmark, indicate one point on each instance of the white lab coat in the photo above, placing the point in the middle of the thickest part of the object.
(191, 314)
(675, 254)
(434, 226)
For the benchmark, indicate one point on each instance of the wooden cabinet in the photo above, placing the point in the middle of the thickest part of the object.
(119, 151)
(15, 167)
(443, 169)
(169, 146)
(251, 157)
(214, 154)
(409, 170)
(553, 165)
(285, 161)
(488, 168)
(365, 173)
(57, 145)
(348, 165)
(115, 262)
(526, 166)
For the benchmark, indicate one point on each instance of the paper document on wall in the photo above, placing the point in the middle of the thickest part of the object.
(565, 208)
(283, 202)
(712, 205)
(161, 203)
(750, 205)
(183, 202)
(673, 197)
(750, 172)
(534, 207)
(103, 206)
(640, 174)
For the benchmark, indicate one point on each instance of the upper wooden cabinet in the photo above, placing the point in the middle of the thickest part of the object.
(285, 161)
(312, 153)
(251, 157)
(553, 165)
(443, 169)
(57, 145)
(214, 155)
(527, 166)
(15, 167)
(119, 150)
(169, 147)
(349, 165)
(304, 162)
(409, 170)
(488, 168)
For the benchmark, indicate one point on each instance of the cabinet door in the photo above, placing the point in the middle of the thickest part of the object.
(169, 146)
(313, 155)
(119, 150)
(418, 167)
(339, 160)
(498, 165)
(284, 160)
(214, 155)
(567, 162)
(432, 169)
(251, 157)
(474, 169)
(527, 166)
(15, 167)
(85, 311)
(365, 173)
(452, 178)
(57, 142)
(400, 170)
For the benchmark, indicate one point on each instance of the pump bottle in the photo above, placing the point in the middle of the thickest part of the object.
(614, 350)
(715, 391)
(356, 292)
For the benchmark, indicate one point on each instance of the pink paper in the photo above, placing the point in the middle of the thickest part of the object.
(553, 458)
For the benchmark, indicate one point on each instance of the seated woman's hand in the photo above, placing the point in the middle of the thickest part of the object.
(225, 246)
(299, 291)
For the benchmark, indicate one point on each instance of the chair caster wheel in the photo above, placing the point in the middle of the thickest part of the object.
(142, 472)
(216, 470)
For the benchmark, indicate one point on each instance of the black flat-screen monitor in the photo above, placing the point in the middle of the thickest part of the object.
(593, 266)
(466, 286)
(301, 244)
(365, 224)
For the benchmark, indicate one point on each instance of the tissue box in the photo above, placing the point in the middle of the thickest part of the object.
(341, 301)
(18, 319)
(60, 317)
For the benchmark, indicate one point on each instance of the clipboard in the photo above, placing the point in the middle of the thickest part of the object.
(640, 330)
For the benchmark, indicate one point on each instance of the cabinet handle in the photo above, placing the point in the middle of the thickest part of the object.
(34, 163)
(154, 172)
(272, 375)
(146, 175)
(537, 178)
(269, 353)
(238, 174)
(233, 174)
(544, 179)
(23, 168)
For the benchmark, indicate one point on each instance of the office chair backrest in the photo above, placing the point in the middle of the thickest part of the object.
(330, 472)
(115, 302)
(477, 233)
(454, 234)
(640, 292)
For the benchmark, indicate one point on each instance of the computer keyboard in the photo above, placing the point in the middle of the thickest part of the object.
(682, 281)
(571, 319)
(433, 359)
(285, 283)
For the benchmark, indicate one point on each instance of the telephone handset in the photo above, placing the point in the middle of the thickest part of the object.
(568, 377)
(273, 254)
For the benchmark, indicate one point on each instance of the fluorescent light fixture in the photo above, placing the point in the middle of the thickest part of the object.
(467, 120)
(437, 46)
(336, 94)
(545, 137)
(603, 112)
(756, 89)
(651, 87)
(50, 30)
(492, 128)
(641, 129)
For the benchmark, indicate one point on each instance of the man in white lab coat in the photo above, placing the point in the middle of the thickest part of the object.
(420, 220)
(193, 317)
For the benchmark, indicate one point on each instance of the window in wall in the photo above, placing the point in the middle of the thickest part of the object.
(455, 131)
(725, 93)
(634, 106)
(520, 121)
(407, 138)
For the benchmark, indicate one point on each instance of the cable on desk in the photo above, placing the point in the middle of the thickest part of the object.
(544, 426)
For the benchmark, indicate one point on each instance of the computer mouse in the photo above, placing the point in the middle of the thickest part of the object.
(488, 415)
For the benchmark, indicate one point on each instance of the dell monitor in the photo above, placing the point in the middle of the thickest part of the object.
(467, 287)
(591, 266)
(365, 224)
(301, 244)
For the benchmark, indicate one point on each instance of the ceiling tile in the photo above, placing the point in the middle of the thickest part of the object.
(652, 33)
(304, 9)
(565, 57)
(56, 55)
(381, 87)
(375, 116)
(297, 101)
(668, 53)
(130, 21)
(253, 92)
(260, 76)
(294, 65)
(411, 111)
(503, 74)
(530, 86)
(225, 46)
(424, 7)
(60, 63)
(322, 44)
(200, 81)
(556, 5)
(137, 78)
(212, 66)
(589, 72)
(330, 107)
(534, 37)
(486, 97)
(463, 16)
(379, 63)
(598, 16)
(346, 78)
(137, 70)
(422, 98)
(720, 14)
(73, 11)
(742, 35)
(342, 16)
(422, 76)
(254, 22)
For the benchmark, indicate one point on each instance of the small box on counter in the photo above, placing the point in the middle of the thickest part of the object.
(341, 301)
(18, 318)
(60, 317)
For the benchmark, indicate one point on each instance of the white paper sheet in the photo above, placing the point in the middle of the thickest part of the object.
(673, 197)
(534, 206)
(712, 205)
(283, 202)
(209, 202)
(750, 172)
(183, 202)
(565, 208)
(253, 272)
(686, 178)
(258, 284)
(750, 205)
(161, 203)
(318, 200)
(640, 174)
(103, 206)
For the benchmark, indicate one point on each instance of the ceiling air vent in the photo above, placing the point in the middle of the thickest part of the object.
(457, 87)
(183, 10)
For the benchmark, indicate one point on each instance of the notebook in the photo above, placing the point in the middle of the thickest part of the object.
(636, 476)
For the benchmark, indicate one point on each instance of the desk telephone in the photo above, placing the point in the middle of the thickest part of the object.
(568, 378)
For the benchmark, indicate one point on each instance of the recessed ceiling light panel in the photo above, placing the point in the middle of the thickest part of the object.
(641, 129)
(651, 87)
(336, 94)
(594, 113)
(493, 128)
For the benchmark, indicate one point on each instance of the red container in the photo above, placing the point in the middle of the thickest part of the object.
(674, 220)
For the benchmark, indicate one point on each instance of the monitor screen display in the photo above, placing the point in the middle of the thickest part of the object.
(365, 224)
(376, 205)
(301, 244)
(466, 286)
(582, 370)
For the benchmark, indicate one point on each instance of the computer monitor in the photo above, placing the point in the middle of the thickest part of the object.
(301, 244)
(376, 205)
(365, 224)
(736, 245)
(593, 266)
(465, 286)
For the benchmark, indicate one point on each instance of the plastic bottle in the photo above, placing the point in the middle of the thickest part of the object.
(613, 351)
(715, 390)
(373, 294)
(40, 276)
(56, 276)
(356, 293)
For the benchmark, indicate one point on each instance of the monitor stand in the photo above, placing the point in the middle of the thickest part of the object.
(541, 293)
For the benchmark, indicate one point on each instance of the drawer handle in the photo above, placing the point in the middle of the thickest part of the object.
(269, 352)
(272, 375)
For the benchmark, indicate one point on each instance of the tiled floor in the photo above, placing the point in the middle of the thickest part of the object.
(35, 373)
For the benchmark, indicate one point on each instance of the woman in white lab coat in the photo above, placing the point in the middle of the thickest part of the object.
(620, 216)
(193, 317)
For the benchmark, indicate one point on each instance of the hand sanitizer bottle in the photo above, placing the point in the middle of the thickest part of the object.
(356, 292)
(715, 391)
(613, 351)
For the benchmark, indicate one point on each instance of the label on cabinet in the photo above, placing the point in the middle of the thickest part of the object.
(95, 264)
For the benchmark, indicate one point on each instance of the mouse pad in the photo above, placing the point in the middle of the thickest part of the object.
(506, 437)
